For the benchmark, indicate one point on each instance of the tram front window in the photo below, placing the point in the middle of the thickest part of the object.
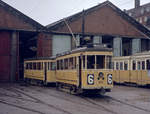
(90, 61)
(100, 61)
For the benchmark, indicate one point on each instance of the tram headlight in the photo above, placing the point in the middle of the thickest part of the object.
(100, 75)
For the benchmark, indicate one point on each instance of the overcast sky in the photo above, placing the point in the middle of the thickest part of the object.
(49, 11)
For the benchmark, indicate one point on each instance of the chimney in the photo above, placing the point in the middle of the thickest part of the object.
(137, 3)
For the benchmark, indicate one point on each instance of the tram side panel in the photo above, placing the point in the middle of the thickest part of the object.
(51, 72)
(138, 71)
(31, 72)
(66, 71)
(145, 77)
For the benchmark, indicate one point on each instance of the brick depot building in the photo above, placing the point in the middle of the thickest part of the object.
(21, 37)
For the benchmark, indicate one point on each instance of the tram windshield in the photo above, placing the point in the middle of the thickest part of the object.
(97, 62)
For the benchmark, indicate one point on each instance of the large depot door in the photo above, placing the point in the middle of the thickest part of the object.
(61, 43)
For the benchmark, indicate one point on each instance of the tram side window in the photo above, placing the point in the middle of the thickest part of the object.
(27, 66)
(125, 65)
(74, 63)
(66, 64)
(61, 64)
(30, 65)
(112, 65)
(109, 62)
(139, 65)
(134, 65)
(117, 66)
(53, 66)
(71, 63)
(148, 64)
(83, 62)
(48, 66)
(143, 65)
(90, 61)
(34, 66)
(39, 66)
(121, 65)
(58, 65)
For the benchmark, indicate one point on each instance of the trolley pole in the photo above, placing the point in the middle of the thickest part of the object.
(82, 42)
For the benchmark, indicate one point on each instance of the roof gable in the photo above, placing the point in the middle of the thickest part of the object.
(105, 18)
(11, 18)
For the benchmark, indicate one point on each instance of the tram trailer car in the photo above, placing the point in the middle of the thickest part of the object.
(40, 70)
(85, 70)
(133, 69)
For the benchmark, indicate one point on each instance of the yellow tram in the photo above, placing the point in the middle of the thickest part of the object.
(80, 70)
(133, 69)
(85, 69)
(40, 70)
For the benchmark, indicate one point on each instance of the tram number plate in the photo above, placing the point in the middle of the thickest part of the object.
(109, 79)
(90, 79)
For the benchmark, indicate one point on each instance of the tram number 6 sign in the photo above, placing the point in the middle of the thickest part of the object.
(90, 79)
(109, 79)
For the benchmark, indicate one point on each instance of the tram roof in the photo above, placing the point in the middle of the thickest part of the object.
(86, 49)
(41, 58)
(142, 53)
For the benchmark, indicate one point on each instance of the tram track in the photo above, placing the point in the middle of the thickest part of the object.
(20, 107)
(73, 101)
(94, 102)
(131, 105)
(119, 101)
(99, 105)
(36, 100)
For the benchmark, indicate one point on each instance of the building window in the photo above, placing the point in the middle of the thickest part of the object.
(148, 21)
(130, 14)
(147, 9)
(145, 19)
(140, 20)
(142, 11)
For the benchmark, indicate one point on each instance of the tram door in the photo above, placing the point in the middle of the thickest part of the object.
(139, 73)
(45, 72)
(134, 72)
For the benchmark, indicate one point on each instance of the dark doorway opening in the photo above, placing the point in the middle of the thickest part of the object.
(27, 49)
